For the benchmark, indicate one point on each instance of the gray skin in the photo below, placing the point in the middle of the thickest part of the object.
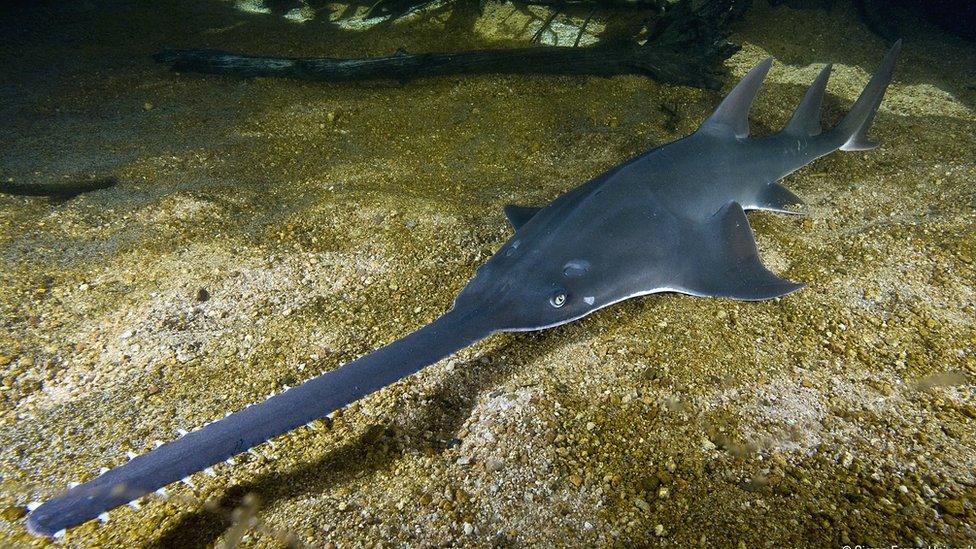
(669, 220)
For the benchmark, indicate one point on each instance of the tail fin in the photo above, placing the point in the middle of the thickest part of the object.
(806, 118)
(853, 128)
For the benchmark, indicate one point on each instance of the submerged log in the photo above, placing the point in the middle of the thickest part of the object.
(666, 66)
(58, 190)
(688, 49)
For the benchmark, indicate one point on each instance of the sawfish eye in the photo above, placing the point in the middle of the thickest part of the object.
(558, 299)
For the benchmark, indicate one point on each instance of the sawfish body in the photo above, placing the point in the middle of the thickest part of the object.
(670, 220)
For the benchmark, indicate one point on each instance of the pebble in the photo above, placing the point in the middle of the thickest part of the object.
(659, 530)
(494, 464)
(953, 507)
(202, 295)
(468, 529)
(13, 513)
(642, 505)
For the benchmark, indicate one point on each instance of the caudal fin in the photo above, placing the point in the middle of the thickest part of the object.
(852, 130)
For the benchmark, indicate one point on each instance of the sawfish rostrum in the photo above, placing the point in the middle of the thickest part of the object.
(670, 220)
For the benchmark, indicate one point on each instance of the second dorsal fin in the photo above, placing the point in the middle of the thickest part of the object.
(806, 118)
(732, 114)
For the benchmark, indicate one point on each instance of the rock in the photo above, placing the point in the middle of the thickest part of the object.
(953, 507)
(202, 295)
(493, 464)
(642, 505)
(468, 529)
(659, 530)
(13, 513)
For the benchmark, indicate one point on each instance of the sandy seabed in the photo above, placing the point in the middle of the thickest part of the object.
(325, 220)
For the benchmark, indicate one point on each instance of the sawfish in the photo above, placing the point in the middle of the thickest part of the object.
(670, 220)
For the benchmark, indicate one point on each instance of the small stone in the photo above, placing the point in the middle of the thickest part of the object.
(147, 106)
(659, 530)
(468, 529)
(642, 505)
(13, 513)
(202, 295)
(342, 506)
(576, 480)
(953, 507)
(493, 465)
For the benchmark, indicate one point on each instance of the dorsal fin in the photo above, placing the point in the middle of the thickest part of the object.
(806, 118)
(732, 115)
(519, 215)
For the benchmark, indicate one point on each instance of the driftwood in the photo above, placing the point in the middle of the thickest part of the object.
(666, 66)
(688, 48)
(58, 190)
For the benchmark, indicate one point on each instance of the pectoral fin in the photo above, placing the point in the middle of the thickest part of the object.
(519, 215)
(722, 261)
